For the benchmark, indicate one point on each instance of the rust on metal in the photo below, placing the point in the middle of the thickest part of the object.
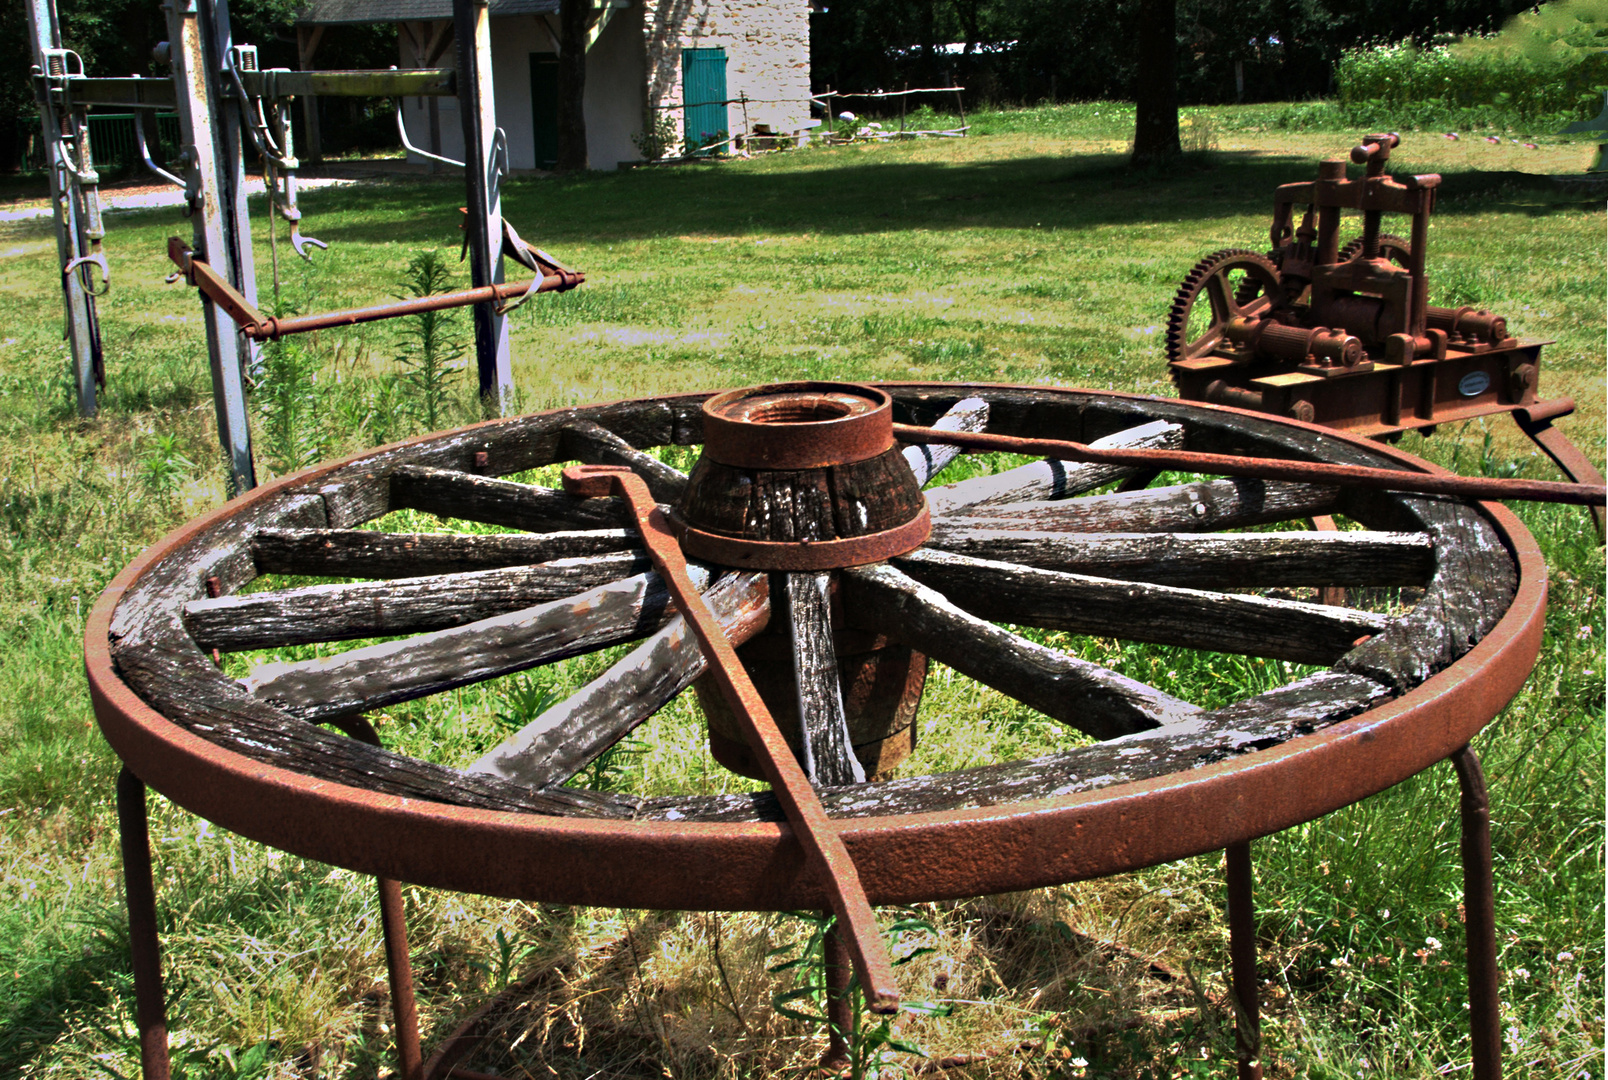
(1342, 334)
(150, 1012)
(798, 425)
(797, 555)
(750, 864)
(1306, 472)
(259, 327)
(815, 832)
(1242, 960)
(1479, 903)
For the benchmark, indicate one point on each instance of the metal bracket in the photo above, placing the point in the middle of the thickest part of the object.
(402, 130)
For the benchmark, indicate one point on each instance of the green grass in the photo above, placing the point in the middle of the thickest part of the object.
(1028, 253)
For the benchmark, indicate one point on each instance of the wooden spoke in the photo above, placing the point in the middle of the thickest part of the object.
(379, 675)
(1199, 507)
(1051, 479)
(596, 445)
(1090, 698)
(402, 606)
(1242, 728)
(560, 742)
(450, 493)
(1160, 614)
(1245, 560)
(366, 554)
(828, 756)
(968, 414)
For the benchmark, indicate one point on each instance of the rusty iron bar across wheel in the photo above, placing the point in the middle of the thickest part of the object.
(812, 827)
(259, 327)
(1305, 472)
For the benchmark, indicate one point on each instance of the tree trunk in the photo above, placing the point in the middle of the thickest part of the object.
(572, 85)
(1155, 133)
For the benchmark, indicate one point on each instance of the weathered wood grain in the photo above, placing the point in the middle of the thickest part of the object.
(363, 553)
(1267, 720)
(927, 461)
(401, 606)
(449, 493)
(594, 444)
(155, 656)
(828, 753)
(375, 676)
(1090, 698)
(560, 742)
(855, 499)
(1244, 560)
(1051, 479)
(1198, 507)
(1473, 585)
(1137, 611)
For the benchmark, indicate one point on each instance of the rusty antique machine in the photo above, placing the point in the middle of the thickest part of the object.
(1344, 335)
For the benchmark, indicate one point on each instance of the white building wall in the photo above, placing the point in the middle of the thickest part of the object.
(639, 54)
(767, 45)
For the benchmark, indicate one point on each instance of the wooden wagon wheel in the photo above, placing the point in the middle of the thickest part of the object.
(1167, 778)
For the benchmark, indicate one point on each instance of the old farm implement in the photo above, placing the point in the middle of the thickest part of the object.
(1342, 333)
(798, 580)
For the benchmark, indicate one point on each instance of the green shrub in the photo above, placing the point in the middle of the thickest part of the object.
(1545, 69)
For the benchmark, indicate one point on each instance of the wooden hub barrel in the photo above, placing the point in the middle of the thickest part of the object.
(805, 477)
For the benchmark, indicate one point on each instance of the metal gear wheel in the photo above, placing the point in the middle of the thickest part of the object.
(1255, 291)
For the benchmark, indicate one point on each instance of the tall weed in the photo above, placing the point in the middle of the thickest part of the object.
(432, 343)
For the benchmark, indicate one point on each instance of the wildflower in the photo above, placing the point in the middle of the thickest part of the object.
(1584, 633)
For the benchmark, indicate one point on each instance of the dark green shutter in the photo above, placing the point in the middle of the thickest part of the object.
(544, 108)
(703, 93)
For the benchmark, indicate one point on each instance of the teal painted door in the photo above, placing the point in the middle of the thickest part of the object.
(544, 108)
(703, 95)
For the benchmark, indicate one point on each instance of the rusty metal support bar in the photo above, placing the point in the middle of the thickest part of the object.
(145, 948)
(1305, 472)
(398, 966)
(1479, 909)
(838, 968)
(1242, 958)
(813, 830)
(1536, 422)
(259, 327)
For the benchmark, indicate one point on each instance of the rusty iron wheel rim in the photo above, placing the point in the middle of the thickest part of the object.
(755, 865)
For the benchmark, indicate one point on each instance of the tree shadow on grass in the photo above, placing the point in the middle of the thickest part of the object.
(826, 197)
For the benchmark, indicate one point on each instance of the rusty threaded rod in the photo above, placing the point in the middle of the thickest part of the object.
(1305, 472)
(271, 329)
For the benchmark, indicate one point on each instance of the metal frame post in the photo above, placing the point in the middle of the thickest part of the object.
(1242, 959)
(215, 174)
(486, 155)
(1479, 909)
(68, 203)
(145, 948)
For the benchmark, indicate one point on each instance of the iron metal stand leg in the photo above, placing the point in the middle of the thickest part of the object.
(1566, 455)
(1242, 957)
(839, 1007)
(1479, 909)
(409, 1062)
(150, 1008)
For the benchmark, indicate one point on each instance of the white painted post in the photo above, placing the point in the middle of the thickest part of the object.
(215, 173)
(486, 155)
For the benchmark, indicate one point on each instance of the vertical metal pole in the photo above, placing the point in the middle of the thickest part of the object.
(215, 173)
(150, 1009)
(66, 200)
(1242, 957)
(486, 152)
(839, 1006)
(1479, 909)
(399, 967)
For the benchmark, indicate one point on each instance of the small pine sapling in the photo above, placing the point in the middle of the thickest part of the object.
(432, 345)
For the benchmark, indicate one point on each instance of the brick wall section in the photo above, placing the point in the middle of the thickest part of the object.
(767, 45)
